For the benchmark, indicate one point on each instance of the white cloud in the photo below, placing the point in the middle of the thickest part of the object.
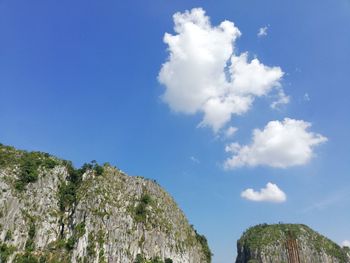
(306, 97)
(279, 144)
(346, 243)
(282, 99)
(203, 73)
(262, 31)
(271, 193)
(230, 132)
(194, 159)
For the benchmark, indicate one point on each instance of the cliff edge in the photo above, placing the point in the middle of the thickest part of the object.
(53, 212)
(288, 243)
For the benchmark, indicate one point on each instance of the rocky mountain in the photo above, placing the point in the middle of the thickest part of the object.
(288, 243)
(53, 212)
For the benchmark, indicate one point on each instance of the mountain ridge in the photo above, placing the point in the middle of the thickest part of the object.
(53, 212)
(288, 243)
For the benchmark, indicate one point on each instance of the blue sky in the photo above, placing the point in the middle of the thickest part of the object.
(79, 79)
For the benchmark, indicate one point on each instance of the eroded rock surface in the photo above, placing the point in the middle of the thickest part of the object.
(51, 212)
(288, 243)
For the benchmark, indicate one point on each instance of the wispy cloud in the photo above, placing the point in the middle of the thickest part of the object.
(194, 159)
(306, 97)
(333, 199)
(230, 132)
(262, 31)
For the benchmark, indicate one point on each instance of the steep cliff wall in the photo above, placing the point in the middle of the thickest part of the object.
(51, 212)
(288, 243)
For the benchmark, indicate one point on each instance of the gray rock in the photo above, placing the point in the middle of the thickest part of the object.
(288, 243)
(113, 218)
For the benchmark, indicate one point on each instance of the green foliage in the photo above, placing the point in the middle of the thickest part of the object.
(5, 251)
(80, 230)
(139, 259)
(8, 235)
(68, 192)
(142, 259)
(8, 156)
(27, 162)
(30, 245)
(26, 258)
(156, 260)
(204, 243)
(141, 209)
(70, 243)
(264, 235)
(94, 166)
(98, 169)
(91, 245)
(67, 195)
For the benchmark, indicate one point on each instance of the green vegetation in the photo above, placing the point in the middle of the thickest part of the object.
(67, 195)
(5, 251)
(91, 245)
(141, 209)
(68, 192)
(204, 244)
(28, 164)
(30, 245)
(8, 235)
(23, 168)
(78, 232)
(26, 258)
(142, 259)
(264, 235)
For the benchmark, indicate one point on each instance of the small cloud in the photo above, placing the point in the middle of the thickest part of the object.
(279, 144)
(230, 132)
(194, 159)
(262, 31)
(233, 148)
(346, 243)
(282, 99)
(271, 193)
(306, 97)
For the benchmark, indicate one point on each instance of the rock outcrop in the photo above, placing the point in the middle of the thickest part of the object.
(52, 212)
(288, 243)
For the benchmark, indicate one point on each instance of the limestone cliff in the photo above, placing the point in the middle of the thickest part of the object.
(288, 243)
(52, 212)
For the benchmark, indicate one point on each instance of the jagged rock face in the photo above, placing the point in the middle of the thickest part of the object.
(51, 213)
(288, 243)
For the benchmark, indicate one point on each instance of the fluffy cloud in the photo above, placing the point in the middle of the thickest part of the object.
(279, 144)
(346, 243)
(271, 193)
(203, 73)
(262, 31)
